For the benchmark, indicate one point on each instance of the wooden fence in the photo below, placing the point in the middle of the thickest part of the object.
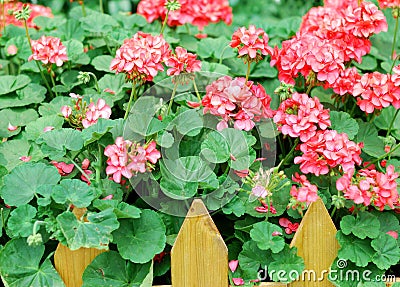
(199, 257)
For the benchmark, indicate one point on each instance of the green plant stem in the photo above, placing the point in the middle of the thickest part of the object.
(392, 123)
(95, 82)
(222, 53)
(133, 96)
(172, 98)
(290, 153)
(99, 166)
(384, 156)
(248, 71)
(79, 168)
(164, 23)
(35, 226)
(83, 9)
(196, 90)
(52, 80)
(101, 6)
(394, 38)
(37, 64)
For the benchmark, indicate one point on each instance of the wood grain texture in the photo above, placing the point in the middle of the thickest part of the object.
(316, 244)
(71, 264)
(199, 257)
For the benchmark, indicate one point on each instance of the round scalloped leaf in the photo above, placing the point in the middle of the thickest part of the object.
(387, 251)
(11, 151)
(20, 265)
(354, 249)
(17, 117)
(120, 273)
(251, 258)
(93, 232)
(343, 123)
(362, 226)
(262, 234)
(31, 94)
(73, 191)
(35, 129)
(10, 84)
(140, 239)
(21, 220)
(54, 107)
(20, 186)
(288, 261)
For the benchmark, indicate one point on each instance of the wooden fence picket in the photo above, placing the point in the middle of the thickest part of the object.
(199, 257)
(316, 243)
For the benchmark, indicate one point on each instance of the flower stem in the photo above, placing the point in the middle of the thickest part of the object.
(79, 168)
(101, 6)
(164, 23)
(99, 165)
(248, 71)
(95, 81)
(290, 153)
(196, 90)
(36, 225)
(384, 156)
(395, 37)
(37, 64)
(392, 123)
(172, 98)
(133, 96)
(83, 9)
(52, 80)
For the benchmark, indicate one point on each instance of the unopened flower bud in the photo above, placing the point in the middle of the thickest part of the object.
(34, 239)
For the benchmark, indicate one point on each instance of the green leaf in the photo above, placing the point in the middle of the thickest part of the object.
(21, 220)
(368, 63)
(140, 239)
(36, 128)
(73, 191)
(31, 94)
(364, 225)
(343, 123)
(54, 107)
(368, 135)
(11, 151)
(288, 261)
(220, 48)
(251, 258)
(98, 23)
(215, 148)
(10, 84)
(121, 209)
(180, 177)
(17, 117)
(120, 273)
(214, 67)
(93, 233)
(354, 249)
(165, 139)
(387, 251)
(71, 30)
(20, 265)
(388, 222)
(262, 234)
(385, 118)
(115, 83)
(96, 131)
(69, 79)
(22, 183)
(264, 70)
(62, 140)
(188, 123)
(102, 63)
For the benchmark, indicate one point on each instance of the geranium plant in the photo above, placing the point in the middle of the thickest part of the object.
(126, 122)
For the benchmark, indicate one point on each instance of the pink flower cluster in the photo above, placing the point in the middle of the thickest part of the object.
(49, 50)
(307, 192)
(141, 56)
(182, 62)
(326, 150)
(252, 42)
(370, 187)
(300, 116)
(196, 12)
(377, 91)
(85, 116)
(234, 99)
(126, 158)
(36, 10)
(329, 37)
(389, 3)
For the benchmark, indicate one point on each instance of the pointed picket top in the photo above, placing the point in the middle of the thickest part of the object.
(316, 243)
(71, 264)
(199, 257)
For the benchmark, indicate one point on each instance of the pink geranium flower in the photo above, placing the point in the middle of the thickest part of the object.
(389, 3)
(141, 56)
(252, 42)
(94, 112)
(307, 192)
(49, 50)
(182, 62)
(63, 168)
(233, 264)
(290, 227)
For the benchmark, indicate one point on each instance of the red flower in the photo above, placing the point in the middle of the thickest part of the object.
(307, 192)
(300, 116)
(182, 62)
(252, 42)
(63, 168)
(49, 50)
(389, 3)
(289, 226)
(141, 57)
(94, 112)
